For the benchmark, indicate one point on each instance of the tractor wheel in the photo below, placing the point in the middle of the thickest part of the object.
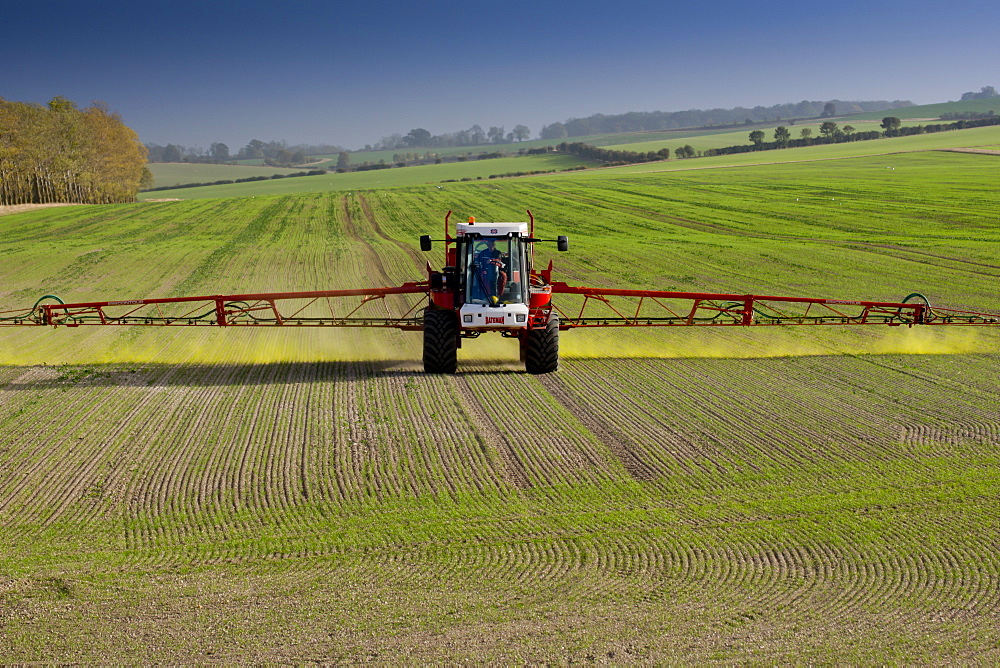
(440, 342)
(541, 353)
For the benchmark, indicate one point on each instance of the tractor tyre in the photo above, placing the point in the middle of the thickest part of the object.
(440, 342)
(541, 353)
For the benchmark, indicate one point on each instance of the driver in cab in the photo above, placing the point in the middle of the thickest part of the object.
(493, 270)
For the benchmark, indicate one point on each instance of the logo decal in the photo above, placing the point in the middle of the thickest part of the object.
(493, 321)
(493, 231)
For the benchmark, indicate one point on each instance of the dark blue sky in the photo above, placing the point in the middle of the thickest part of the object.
(348, 73)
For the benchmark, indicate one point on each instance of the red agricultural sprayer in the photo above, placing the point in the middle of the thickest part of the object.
(489, 284)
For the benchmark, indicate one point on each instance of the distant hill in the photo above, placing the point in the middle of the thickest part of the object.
(936, 110)
(644, 121)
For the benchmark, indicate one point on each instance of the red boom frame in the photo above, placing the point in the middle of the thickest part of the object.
(598, 308)
(309, 309)
(658, 308)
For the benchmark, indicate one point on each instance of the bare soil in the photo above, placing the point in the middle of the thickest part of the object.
(21, 208)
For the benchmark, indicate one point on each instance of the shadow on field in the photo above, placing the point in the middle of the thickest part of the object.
(40, 377)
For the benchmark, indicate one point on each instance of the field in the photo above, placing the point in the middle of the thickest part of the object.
(179, 173)
(399, 176)
(702, 139)
(802, 495)
(358, 157)
(742, 136)
(482, 169)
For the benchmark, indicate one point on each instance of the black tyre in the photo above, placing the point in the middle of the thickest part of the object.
(541, 354)
(440, 342)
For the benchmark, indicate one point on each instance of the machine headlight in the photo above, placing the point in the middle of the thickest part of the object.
(521, 317)
(467, 317)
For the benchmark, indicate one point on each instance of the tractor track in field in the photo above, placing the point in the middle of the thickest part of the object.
(666, 443)
(493, 437)
(366, 208)
(371, 256)
(688, 223)
(620, 445)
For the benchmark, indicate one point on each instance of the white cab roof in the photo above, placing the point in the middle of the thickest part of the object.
(492, 229)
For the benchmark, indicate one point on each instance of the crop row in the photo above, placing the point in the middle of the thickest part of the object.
(178, 450)
(834, 583)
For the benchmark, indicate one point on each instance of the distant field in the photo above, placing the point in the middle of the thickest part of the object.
(358, 157)
(699, 139)
(659, 138)
(384, 178)
(179, 173)
(437, 174)
(742, 136)
(974, 137)
(610, 139)
(375, 157)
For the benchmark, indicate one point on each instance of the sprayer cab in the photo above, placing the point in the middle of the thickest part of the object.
(488, 284)
(494, 264)
(488, 279)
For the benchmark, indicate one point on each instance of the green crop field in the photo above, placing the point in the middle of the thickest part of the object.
(698, 495)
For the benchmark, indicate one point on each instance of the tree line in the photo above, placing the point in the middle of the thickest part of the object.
(279, 154)
(634, 121)
(273, 153)
(60, 153)
(474, 136)
(607, 156)
(832, 133)
(985, 93)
